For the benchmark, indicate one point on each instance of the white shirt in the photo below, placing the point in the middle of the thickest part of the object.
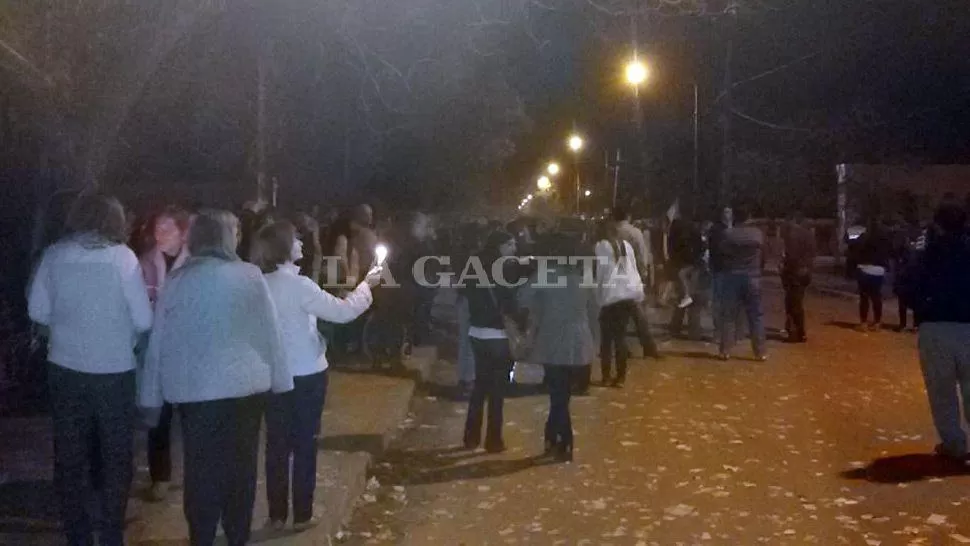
(94, 300)
(216, 337)
(617, 277)
(299, 303)
(486, 333)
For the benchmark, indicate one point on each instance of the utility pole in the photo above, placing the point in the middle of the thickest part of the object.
(727, 113)
(616, 176)
(261, 178)
(697, 167)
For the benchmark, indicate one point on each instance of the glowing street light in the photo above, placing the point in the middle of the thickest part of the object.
(553, 168)
(543, 183)
(636, 72)
(588, 193)
(575, 143)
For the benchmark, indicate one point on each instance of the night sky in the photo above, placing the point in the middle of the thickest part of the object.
(442, 104)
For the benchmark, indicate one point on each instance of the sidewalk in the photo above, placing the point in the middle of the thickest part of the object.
(363, 413)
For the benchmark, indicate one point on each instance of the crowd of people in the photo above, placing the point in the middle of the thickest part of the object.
(178, 320)
(228, 321)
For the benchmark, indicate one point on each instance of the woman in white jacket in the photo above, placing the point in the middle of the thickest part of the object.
(216, 351)
(293, 418)
(620, 290)
(89, 291)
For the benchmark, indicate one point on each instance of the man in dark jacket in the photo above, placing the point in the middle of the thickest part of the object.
(796, 275)
(942, 298)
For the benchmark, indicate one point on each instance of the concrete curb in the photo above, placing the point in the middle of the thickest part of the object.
(363, 416)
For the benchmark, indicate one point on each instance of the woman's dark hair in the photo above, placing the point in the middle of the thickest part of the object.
(607, 231)
(951, 217)
(275, 243)
(100, 215)
(495, 240)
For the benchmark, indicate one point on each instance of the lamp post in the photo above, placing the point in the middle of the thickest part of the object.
(552, 168)
(636, 74)
(576, 144)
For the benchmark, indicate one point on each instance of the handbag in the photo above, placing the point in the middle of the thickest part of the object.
(520, 342)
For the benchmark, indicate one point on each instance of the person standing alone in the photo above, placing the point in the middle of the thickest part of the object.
(796, 275)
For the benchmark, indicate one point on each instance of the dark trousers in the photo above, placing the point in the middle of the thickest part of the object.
(581, 378)
(642, 324)
(221, 442)
(493, 363)
(741, 292)
(160, 447)
(559, 425)
(904, 312)
(421, 318)
(870, 293)
(613, 321)
(795, 287)
(93, 417)
(292, 422)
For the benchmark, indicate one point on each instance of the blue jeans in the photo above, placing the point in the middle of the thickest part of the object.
(945, 361)
(292, 422)
(741, 292)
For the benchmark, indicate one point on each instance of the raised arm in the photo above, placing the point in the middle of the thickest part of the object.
(330, 308)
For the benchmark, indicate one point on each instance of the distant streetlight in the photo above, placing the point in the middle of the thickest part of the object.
(588, 193)
(553, 168)
(636, 72)
(575, 143)
(544, 183)
(528, 197)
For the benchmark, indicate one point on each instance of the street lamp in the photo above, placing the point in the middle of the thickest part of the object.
(636, 72)
(588, 193)
(553, 168)
(543, 183)
(575, 143)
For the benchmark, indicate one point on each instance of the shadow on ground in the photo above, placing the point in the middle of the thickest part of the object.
(908, 468)
(422, 467)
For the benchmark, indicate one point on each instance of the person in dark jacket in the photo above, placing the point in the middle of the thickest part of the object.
(942, 298)
(874, 253)
(796, 275)
(908, 246)
(489, 303)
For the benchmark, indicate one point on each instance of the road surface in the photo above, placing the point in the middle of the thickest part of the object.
(826, 443)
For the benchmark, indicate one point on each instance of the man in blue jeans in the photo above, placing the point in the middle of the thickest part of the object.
(742, 254)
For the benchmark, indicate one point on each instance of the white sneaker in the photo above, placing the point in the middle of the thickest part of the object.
(686, 302)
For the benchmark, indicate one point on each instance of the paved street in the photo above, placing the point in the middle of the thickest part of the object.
(824, 444)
